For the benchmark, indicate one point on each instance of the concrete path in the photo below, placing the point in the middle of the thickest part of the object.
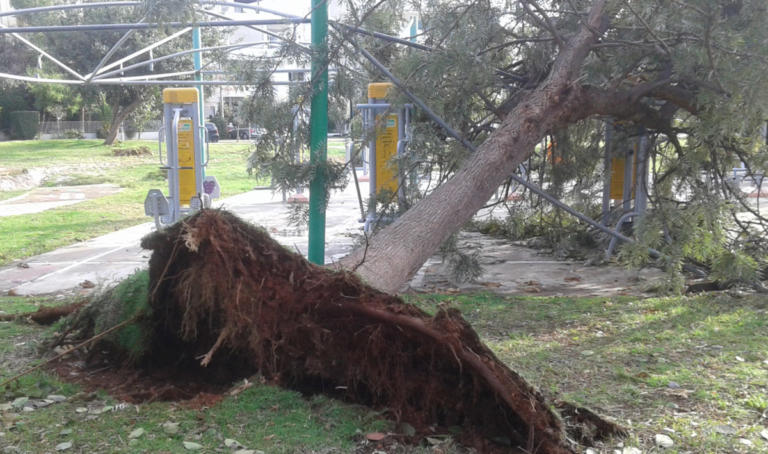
(41, 199)
(109, 258)
(508, 268)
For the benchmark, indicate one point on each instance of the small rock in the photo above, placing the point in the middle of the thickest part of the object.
(663, 441)
(192, 446)
(171, 428)
(133, 442)
(43, 403)
(764, 433)
(590, 451)
(28, 409)
(673, 385)
(5, 407)
(65, 432)
(81, 410)
(64, 446)
(745, 442)
(20, 402)
(136, 433)
(232, 443)
(668, 430)
(740, 359)
(631, 450)
(248, 451)
(725, 430)
(587, 352)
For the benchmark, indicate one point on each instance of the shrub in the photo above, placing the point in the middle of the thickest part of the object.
(24, 124)
(73, 134)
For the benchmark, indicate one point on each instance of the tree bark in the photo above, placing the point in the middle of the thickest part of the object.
(117, 119)
(393, 255)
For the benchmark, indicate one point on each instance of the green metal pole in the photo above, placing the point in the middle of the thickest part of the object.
(318, 131)
(200, 95)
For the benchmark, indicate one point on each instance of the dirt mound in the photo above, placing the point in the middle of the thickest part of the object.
(223, 293)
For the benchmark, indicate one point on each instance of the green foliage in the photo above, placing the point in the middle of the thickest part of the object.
(133, 296)
(734, 266)
(24, 125)
(13, 97)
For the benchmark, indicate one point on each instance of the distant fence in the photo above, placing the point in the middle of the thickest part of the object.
(62, 129)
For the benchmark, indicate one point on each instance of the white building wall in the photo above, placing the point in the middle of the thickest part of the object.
(300, 33)
(5, 6)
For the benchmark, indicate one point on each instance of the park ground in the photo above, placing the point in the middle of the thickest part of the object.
(692, 368)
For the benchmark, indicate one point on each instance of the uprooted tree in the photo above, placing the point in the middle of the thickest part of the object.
(221, 294)
(507, 75)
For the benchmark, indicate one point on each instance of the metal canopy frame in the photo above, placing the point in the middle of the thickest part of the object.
(100, 75)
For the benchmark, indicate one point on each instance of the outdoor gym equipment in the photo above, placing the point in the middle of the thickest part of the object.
(189, 189)
(626, 179)
(388, 130)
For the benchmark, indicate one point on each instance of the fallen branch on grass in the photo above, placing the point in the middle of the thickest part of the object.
(46, 315)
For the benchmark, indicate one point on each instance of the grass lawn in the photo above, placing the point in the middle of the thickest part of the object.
(693, 368)
(89, 162)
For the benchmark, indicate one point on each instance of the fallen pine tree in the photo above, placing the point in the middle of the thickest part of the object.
(223, 295)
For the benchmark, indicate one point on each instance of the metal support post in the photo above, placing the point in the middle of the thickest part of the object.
(607, 173)
(197, 60)
(629, 167)
(318, 136)
(641, 174)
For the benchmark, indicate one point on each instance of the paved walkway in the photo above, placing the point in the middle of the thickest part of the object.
(508, 268)
(111, 257)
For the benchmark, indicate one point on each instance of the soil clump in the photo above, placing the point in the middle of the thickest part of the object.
(223, 293)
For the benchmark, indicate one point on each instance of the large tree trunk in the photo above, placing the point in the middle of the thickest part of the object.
(393, 255)
(117, 119)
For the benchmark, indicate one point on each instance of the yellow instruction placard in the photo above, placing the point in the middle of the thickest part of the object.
(187, 185)
(386, 150)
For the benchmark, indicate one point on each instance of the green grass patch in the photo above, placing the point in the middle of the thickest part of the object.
(5, 195)
(337, 150)
(695, 368)
(688, 364)
(89, 162)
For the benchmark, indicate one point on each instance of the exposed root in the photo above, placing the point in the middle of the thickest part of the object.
(587, 426)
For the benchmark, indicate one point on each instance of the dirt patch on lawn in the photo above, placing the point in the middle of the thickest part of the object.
(139, 151)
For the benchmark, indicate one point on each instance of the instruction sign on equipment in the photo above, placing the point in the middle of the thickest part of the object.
(386, 150)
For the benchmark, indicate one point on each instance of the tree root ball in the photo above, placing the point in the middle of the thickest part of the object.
(226, 295)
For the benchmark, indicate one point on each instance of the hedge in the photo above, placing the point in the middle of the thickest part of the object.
(24, 124)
